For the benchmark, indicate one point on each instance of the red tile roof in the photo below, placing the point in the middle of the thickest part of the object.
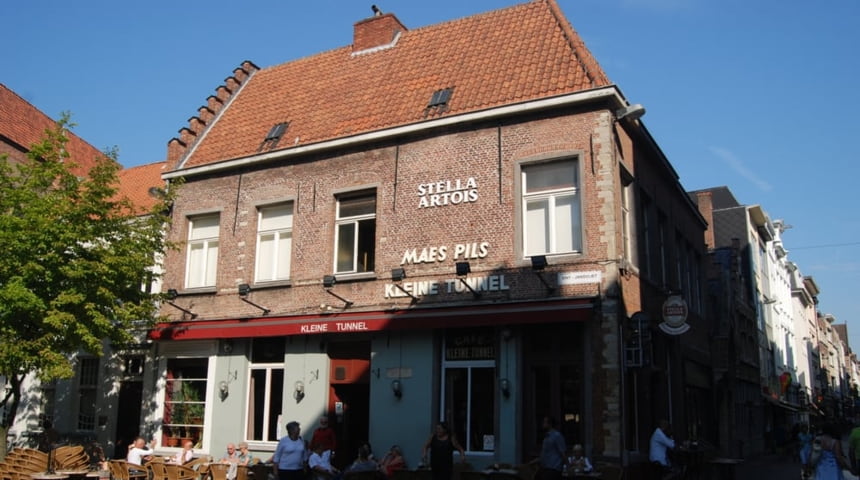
(521, 53)
(23, 125)
(135, 184)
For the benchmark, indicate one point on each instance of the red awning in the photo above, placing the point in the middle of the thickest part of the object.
(571, 310)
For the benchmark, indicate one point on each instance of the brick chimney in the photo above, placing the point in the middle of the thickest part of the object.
(376, 31)
(706, 208)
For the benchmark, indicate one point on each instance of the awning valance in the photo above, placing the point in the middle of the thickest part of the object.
(570, 310)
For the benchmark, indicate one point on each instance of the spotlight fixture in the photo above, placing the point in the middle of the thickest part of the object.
(397, 388)
(505, 387)
(328, 282)
(463, 269)
(538, 265)
(172, 293)
(244, 290)
(397, 275)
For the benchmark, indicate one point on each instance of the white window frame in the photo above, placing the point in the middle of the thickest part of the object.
(469, 366)
(356, 221)
(551, 196)
(187, 350)
(267, 407)
(279, 234)
(199, 276)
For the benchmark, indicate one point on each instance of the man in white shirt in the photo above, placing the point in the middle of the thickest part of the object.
(320, 463)
(661, 442)
(138, 451)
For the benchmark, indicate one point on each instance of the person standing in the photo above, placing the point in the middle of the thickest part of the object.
(661, 443)
(831, 462)
(552, 452)
(324, 435)
(290, 454)
(441, 446)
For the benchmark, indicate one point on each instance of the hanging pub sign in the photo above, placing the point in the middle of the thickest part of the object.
(674, 316)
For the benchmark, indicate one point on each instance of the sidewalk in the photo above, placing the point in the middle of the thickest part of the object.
(772, 467)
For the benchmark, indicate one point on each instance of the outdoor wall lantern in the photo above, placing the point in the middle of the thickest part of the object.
(538, 265)
(463, 269)
(299, 392)
(397, 275)
(328, 283)
(505, 387)
(172, 293)
(397, 388)
(223, 389)
(244, 290)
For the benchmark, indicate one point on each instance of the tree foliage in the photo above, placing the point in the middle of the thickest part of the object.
(73, 259)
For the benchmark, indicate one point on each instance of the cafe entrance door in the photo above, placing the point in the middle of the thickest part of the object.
(349, 397)
(555, 383)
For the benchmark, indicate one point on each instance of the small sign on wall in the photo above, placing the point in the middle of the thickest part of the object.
(579, 278)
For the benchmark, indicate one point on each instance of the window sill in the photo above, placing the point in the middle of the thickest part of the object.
(355, 277)
(263, 285)
(552, 259)
(197, 291)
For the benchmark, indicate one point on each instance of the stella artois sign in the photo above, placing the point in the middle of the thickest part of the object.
(674, 315)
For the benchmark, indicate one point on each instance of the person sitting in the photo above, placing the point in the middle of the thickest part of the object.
(138, 452)
(185, 455)
(320, 463)
(245, 457)
(577, 461)
(363, 463)
(232, 460)
(393, 460)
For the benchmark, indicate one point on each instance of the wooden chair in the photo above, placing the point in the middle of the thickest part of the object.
(180, 472)
(157, 470)
(122, 470)
(196, 462)
(218, 471)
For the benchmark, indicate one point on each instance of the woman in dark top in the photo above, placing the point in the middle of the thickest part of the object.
(441, 446)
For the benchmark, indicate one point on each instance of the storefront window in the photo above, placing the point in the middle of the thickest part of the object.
(469, 387)
(266, 389)
(184, 400)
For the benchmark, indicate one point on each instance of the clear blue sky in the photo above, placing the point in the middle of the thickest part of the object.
(755, 95)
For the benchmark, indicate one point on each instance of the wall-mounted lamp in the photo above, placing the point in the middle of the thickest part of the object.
(463, 269)
(397, 388)
(630, 112)
(223, 389)
(538, 265)
(328, 282)
(244, 290)
(505, 387)
(172, 293)
(299, 392)
(397, 275)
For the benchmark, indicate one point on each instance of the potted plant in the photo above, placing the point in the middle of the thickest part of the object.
(188, 411)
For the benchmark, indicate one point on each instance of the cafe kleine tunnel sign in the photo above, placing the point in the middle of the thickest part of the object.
(674, 316)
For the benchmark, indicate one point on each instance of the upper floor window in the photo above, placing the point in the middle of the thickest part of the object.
(552, 219)
(274, 242)
(202, 251)
(355, 239)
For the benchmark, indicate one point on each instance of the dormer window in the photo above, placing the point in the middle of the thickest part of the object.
(439, 101)
(274, 136)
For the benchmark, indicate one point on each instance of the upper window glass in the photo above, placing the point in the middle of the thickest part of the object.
(552, 219)
(202, 251)
(274, 242)
(356, 234)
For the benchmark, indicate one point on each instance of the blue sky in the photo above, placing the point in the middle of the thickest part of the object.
(755, 95)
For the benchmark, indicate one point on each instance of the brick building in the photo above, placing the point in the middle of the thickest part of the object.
(453, 222)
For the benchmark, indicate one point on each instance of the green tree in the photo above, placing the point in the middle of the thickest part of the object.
(73, 259)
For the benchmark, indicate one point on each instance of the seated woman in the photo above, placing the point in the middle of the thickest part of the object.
(393, 460)
(245, 457)
(363, 463)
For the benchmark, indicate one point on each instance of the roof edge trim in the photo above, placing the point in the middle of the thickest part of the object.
(608, 93)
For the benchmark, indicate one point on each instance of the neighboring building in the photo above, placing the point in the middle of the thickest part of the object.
(454, 222)
(103, 401)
